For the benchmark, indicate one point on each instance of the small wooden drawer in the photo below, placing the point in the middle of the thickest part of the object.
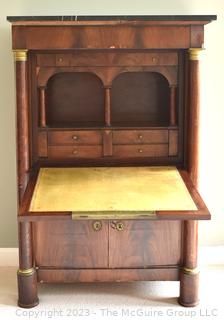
(130, 151)
(64, 152)
(91, 137)
(140, 136)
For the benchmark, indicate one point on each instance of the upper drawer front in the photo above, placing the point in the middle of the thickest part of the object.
(135, 151)
(110, 59)
(91, 137)
(140, 136)
(68, 152)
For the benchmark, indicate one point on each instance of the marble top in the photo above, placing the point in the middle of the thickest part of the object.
(119, 17)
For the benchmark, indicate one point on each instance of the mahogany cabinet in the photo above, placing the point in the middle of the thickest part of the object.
(107, 149)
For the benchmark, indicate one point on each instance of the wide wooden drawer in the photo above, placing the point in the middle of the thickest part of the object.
(64, 152)
(110, 59)
(153, 150)
(74, 137)
(140, 136)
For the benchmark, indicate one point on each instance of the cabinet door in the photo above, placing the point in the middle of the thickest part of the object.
(144, 243)
(71, 244)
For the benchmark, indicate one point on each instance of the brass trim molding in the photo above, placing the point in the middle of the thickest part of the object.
(195, 53)
(20, 54)
(105, 215)
(26, 272)
(190, 271)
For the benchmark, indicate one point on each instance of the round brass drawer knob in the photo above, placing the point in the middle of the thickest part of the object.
(120, 226)
(97, 225)
(140, 150)
(75, 137)
(60, 59)
(140, 136)
(75, 152)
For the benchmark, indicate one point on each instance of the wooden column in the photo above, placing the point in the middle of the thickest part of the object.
(107, 106)
(27, 282)
(189, 275)
(107, 134)
(27, 278)
(194, 113)
(173, 120)
(25, 240)
(20, 57)
(42, 107)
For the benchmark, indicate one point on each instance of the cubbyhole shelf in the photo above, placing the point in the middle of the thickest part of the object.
(74, 99)
(140, 99)
(79, 99)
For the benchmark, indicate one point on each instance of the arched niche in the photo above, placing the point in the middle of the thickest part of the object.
(74, 98)
(140, 99)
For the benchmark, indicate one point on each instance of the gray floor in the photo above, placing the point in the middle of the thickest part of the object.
(137, 300)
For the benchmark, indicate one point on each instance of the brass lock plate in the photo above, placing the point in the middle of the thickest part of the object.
(97, 225)
(117, 225)
(120, 226)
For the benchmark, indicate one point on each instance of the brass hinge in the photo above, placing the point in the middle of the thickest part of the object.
(114, 215)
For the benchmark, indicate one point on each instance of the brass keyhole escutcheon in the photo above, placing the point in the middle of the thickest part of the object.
(119, 226)
(97, 225)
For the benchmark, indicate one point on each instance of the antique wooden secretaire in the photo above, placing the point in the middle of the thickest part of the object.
(107, 150)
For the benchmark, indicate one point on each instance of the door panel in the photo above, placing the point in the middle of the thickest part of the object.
(143, 243)
(71, 244)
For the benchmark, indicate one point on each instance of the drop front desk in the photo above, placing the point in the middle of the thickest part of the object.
(107, 150)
